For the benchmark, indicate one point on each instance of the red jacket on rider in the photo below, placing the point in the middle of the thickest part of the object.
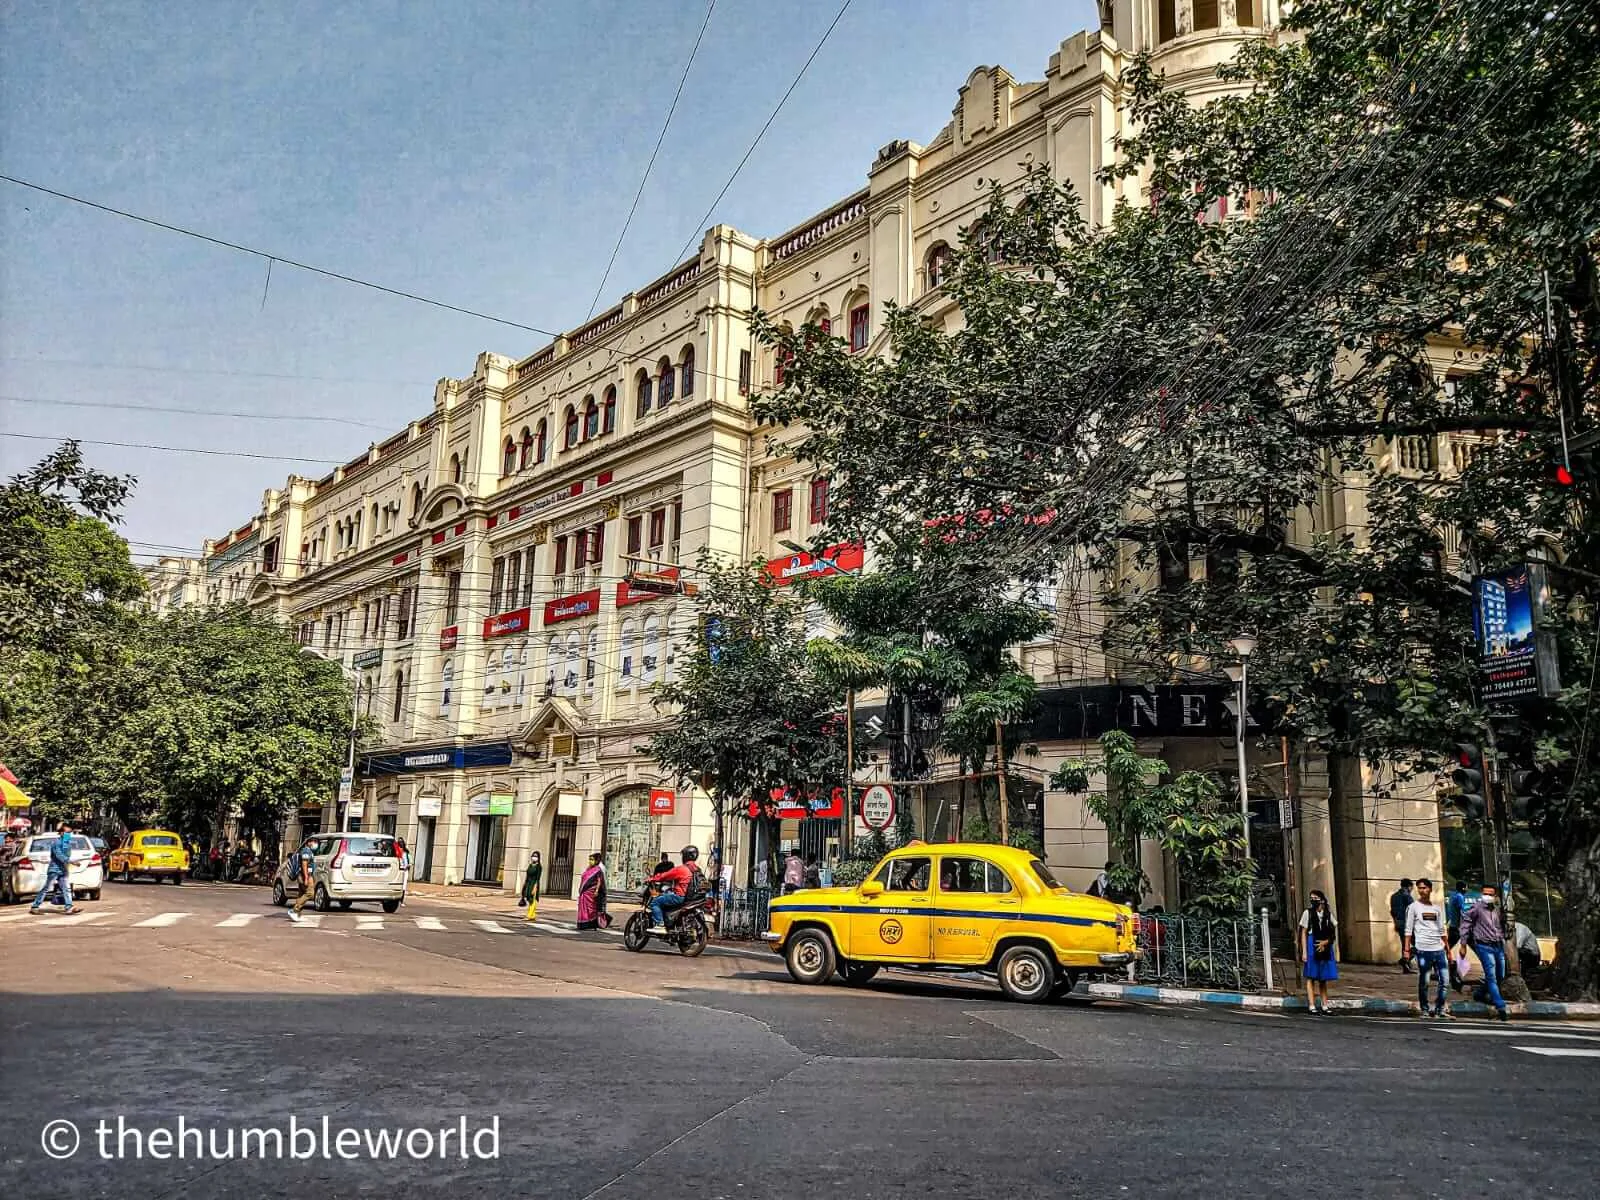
(678, 878)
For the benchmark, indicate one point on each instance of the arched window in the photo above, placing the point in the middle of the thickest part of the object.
(569, 437)
(591, 660)
(686, 373)
(938, 265)
(608, 411)
(630, 650)
(664, 383)
(642, 391)
(491, 678)
(591, 418)
(399, 694)
(455, 467)
(447, 681)
(569, 674)
(541, 441)
(982, 236)
(508, 461)
(650, 652)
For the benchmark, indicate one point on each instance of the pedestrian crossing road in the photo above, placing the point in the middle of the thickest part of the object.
(1548, 1043)
(344, 921)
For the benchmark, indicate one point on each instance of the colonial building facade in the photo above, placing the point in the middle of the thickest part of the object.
(475, 572)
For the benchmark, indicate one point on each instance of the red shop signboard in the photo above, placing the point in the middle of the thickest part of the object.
(570, 608)
(791, 568)
(515, 621)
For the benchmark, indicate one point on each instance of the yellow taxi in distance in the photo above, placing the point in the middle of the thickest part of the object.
(962, 906)
(158, 853)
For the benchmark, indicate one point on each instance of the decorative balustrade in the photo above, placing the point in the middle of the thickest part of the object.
(683, 275)
(827, 223)
(596, 327)
(538, 362)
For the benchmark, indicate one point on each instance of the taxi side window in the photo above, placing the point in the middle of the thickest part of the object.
(906, 875)
(971, 875)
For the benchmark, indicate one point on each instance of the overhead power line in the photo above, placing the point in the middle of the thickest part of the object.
(299, 458)
(125, 406)
(272, 257)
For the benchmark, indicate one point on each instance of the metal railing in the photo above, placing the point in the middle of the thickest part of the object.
(743, 912)
(1179, 951)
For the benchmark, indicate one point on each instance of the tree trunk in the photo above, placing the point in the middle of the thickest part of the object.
(1578, 959)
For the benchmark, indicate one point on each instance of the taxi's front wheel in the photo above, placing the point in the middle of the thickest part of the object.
(809, 956)
(1026, 974)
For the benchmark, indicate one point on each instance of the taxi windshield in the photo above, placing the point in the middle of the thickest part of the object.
(1043, 872)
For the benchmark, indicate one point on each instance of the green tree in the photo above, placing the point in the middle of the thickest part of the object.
(1188, 815)
(1422, 189)
(750, 712)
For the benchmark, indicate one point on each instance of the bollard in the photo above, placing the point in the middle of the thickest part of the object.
(1266, 949)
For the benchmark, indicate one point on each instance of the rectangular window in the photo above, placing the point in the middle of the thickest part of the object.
(744, 372)
(677, 521)
(513, 579)
(452, 599)
(1172, 565)
(635, 534)
(658, 528)
(403, 626)
(269, 556)
(580, 551)
(819, 501)
(858, 328)
(497, 585)
(597, 544)
(561, 557)
(782, 510)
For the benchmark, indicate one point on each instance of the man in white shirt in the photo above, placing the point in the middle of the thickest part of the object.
(1425, 934)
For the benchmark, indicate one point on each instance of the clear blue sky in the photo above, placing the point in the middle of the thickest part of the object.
(480, 153)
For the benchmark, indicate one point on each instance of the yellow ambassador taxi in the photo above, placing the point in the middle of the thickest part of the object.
(158, 853)
(957, 906)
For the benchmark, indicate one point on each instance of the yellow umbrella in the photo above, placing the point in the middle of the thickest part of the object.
(14, 796)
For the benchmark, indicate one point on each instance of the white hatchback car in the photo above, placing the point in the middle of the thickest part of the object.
(23, 870)
(348, 867)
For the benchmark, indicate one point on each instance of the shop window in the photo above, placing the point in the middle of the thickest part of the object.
(860, 320)
(686, 373)
(819, 501)
(608, 411)
(782, 510)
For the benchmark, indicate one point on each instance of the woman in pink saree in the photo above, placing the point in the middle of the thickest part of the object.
(592, 895)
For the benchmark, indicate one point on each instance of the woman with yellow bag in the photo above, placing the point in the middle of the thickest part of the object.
(530, 885)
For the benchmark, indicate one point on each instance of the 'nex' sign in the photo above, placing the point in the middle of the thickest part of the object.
(515, 621)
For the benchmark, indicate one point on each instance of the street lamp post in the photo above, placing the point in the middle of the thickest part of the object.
(355, 724)
(1244, 645)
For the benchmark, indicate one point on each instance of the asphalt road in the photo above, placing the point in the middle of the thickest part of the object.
(620, 1075)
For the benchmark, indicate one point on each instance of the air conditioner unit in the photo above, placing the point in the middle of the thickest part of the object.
(563, 745)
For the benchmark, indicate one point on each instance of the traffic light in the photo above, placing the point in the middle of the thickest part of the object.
(1468, 778)
(1561, 475)
(1525, 793)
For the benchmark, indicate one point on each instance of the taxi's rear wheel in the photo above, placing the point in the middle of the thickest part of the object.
(1026, 974)
(810, 956)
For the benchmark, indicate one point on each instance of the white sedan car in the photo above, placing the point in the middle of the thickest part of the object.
(23, 870)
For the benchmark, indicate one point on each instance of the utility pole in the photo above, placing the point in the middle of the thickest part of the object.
(848, 831)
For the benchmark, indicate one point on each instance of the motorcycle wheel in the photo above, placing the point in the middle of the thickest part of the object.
(636, 933)
(692, 936)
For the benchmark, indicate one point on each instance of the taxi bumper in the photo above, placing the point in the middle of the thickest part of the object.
(1116, 960)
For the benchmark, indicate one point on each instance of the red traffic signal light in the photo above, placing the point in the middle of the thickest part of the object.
(1563, 475)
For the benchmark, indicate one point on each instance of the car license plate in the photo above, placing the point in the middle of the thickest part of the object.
(372, 867)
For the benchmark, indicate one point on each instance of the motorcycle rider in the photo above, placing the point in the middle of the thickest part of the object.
(675, 883)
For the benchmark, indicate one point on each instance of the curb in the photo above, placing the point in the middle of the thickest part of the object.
(1543, 1009)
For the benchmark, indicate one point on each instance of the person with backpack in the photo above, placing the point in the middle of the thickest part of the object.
(58, 875)
(679, 884)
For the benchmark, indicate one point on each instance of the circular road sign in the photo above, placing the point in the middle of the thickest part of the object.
(877, 807)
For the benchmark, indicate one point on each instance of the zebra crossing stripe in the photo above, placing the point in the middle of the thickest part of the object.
(310, 921)
(430, 923)
(368, 921)
(1560, 1051)
(238, 920)
(160, 919)
(491, 927)
(80, 918)
(1482, 1031)
(16, 916)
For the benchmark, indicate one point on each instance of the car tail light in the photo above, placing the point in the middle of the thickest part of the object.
(339, 855)
(24, 864)
(94, 860)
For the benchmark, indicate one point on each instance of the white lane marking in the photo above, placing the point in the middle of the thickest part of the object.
(430, 923)
(160, 919)
(310, 921)
(1480, 1031)
(543, 928)
(369, 921)
(1559, 1051)
(238, 920)
(491, 927)
(16, 916)
(80, 918)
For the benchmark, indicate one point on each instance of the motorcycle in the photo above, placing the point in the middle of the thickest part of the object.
(686, 925)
